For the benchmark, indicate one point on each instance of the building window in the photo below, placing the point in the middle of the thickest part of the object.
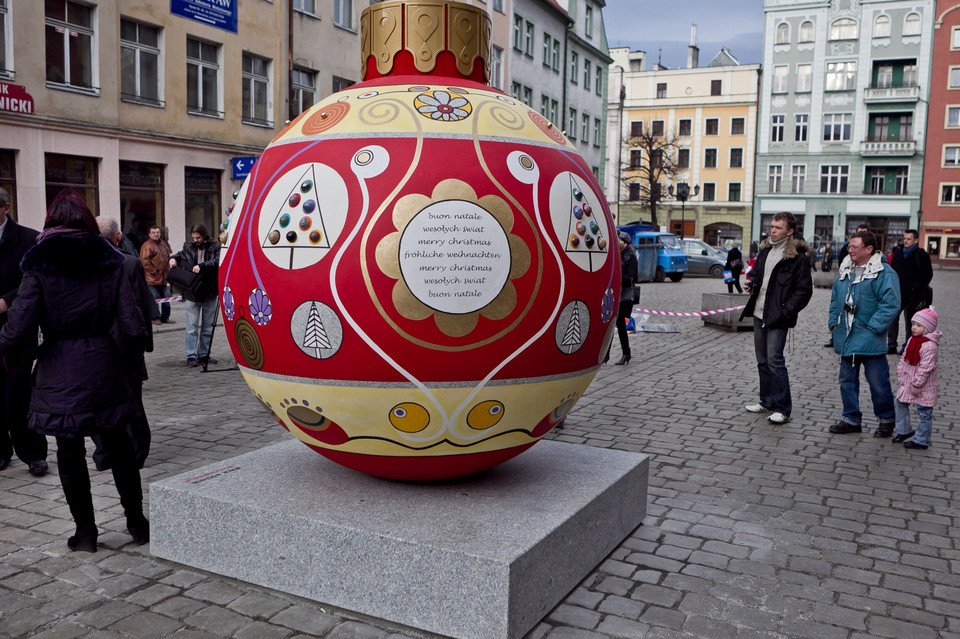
(141, 199)
(776, 128)
(841, 76)
(554, 111)
(574, 67)
(736, 126)
(843, 29)
(528, 38)
(555, 55)
(544, 106)
(598, 79)
(72, 172)
(305, 6)
(780, 73)
(953, 117)
(783, 33)
(709, 192)
(5, 68)
(954, 82)
(496, 68)
(656, 128)
(950, 194)
(572, 124)
(584, 128)
(636, 129)
(806, 32)
(304, 90)
(498, 5)
(683, 127)
(661, 89)
(951, 156)
(634, 192)
(202, 197)
(596, 132)
(588, 21)
(774, 177)
(527, 97)
(515, 89)
(339, 84)
(547, 42)
(712, 126)
(955, 40)
(70, 43)
(710, 158)
(911, 24)
(256, 90)
(586, 72)
(881, 27)
(203, 77)
(656, 158)
(8, 178)
(833, 178)
(683, 158)
(836, 126)
(901, 175)
(139, 62)
(733, 192)
(736, 158)
(517, 32)
(715, 87)
(800, 134)
(798, 175)
(909, 75)
(343, 13)
(804, 78)
(877, 178)
(884, 76)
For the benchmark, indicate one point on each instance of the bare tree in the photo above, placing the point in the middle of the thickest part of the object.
(652, 162)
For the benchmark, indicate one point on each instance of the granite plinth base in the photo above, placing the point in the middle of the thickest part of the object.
(729, 320)
(484, 557)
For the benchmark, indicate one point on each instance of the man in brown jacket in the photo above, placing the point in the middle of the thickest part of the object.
(155, 257)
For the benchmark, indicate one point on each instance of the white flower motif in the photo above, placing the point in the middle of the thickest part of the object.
(443, 105)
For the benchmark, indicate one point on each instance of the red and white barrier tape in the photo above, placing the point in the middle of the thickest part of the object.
(700, 314)
(175, 298)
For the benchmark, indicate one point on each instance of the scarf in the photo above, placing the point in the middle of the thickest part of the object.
(908, 251)
(911, 355)
(56, 231)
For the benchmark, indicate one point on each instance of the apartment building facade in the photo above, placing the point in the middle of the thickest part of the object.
(842, 115)
(707, 118)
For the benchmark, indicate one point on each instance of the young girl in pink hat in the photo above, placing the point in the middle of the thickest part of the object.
(917, 378)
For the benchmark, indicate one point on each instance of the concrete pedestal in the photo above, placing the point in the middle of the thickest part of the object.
(484, 557)
(731, 319)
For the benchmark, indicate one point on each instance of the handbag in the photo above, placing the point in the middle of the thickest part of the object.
(186, 281)
(728, 276)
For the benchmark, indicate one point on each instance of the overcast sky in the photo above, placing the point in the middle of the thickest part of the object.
(652, 25)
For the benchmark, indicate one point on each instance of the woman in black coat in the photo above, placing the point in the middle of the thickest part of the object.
(735, 266)
(74, 290)
(629, 268)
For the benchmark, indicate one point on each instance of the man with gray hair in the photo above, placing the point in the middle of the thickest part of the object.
(15, 384)
(136, 369)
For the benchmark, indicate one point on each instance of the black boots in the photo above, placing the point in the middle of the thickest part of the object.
(85, 539)
(623, 360)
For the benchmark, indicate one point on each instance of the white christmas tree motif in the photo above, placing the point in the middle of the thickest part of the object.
(299, 222)
(572, 336)
(584, 233)
(315, 336)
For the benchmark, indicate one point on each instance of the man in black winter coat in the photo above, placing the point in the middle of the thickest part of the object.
(780, 287)
(912, 265)
(15, 384)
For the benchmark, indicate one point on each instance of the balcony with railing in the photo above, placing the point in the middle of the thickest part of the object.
(893, 93)
(888, 146)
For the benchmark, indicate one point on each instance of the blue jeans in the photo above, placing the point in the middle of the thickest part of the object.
(200, 316)
(163, 312)
(771, 364)
(924, 422)
(877, 371)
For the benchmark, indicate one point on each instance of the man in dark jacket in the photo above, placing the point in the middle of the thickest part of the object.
(780, 287)
(913, 267)
(202, 256)
(138, 428)
(29, 446)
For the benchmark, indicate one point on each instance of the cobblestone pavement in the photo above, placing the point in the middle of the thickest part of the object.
(753, 531)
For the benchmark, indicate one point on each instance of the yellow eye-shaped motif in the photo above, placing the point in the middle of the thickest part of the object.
(485, 415)
(409, 417)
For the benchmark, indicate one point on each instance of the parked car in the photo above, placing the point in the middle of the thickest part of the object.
(659, 255)
(702, 258)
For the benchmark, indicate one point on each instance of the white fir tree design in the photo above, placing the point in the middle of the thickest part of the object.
(572, 336)
(584, 233)
(299, 222)
(315, 336)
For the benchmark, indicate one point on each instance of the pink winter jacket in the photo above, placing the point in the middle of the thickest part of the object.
(918, 384)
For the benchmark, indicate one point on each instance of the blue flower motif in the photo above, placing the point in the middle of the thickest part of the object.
(229, 309)
(606, 306)
(260, 308)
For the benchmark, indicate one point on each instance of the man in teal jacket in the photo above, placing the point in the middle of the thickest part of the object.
(865, 299)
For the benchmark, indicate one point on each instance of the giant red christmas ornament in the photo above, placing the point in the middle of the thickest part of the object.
(419, 276)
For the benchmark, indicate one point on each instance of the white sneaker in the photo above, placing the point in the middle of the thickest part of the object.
(778, 418)
(756, 408)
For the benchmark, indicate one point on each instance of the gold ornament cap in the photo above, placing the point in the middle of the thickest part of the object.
(425, 37)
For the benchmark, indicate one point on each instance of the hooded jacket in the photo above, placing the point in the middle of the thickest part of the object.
(877, 299)
(207, 257)
(790, 286)
(918, 383)
(74, 290)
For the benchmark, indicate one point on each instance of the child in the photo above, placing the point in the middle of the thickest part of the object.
(917, 378)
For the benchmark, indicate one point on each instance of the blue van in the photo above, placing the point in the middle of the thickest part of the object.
(659, 255)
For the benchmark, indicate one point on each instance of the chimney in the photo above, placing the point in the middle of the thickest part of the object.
(693, 52)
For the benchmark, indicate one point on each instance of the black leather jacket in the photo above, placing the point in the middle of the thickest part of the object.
(789, 289)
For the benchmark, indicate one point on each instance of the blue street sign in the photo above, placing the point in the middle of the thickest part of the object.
(217, 13)
(242, 166)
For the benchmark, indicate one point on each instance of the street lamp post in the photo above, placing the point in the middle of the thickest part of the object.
(682, 194)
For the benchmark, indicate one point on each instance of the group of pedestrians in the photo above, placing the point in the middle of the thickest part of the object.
(866, 300)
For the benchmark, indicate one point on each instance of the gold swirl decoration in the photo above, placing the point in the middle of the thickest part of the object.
(325, 118)
(378, 112)
(249, 343)
(547, 127)
(505, 116)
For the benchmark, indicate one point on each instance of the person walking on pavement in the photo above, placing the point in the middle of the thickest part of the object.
(629, 269)
(735, 266)
(75, 291)
(864, 300)
(917, 380)
(138, 428)
(780, 286)
(914, 271)
(200, 255)
(155, 257)
(15, 437)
